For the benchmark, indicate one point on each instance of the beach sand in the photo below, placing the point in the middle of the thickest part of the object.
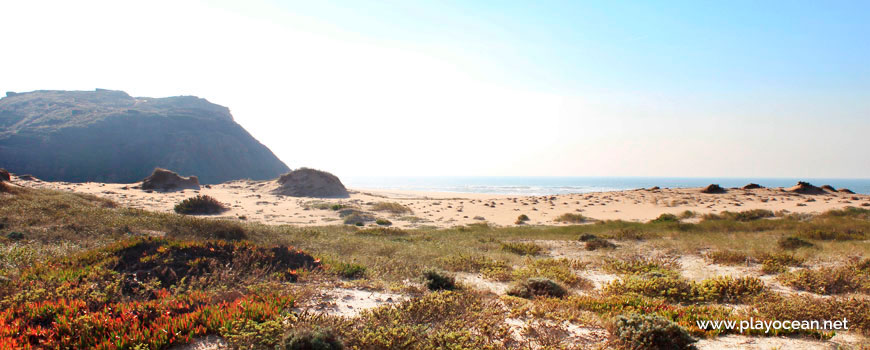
(253, 201)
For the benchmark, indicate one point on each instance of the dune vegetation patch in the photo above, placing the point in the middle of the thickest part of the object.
(391, 207)
(200, 205)
(83, 265)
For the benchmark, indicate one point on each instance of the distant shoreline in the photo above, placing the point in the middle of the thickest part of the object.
(557, 185)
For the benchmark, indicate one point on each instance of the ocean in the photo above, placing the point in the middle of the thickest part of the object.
(541, 185)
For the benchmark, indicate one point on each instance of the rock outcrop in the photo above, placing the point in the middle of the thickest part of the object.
(109, 136)
(306, 182)
(4, 175)
(713, 188)
(165, 180)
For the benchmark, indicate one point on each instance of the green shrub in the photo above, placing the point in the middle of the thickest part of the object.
(15, 235)
(665, 218)
(792, 243)
(383, 222)
(522, 248)
(571, 218)
(337, 207)
(318, 339)
(437, 280)
(200, 205)
(522, 219)
(537, 287)
(655, 285)
(647, 332)
(599, 244)
(729, 289)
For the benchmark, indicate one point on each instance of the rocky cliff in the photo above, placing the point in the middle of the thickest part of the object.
(109, 136)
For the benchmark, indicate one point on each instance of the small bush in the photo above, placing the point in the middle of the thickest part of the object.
(656, 285)
(391, 207)
(772, 267)
(357, 218)
(537, 287)
(665, 218)
(729, 289)
(383, 222)
(586, 237)
(349, 270)
(337, 207)
(437, 280)
(728, 257)
(200, 205)
(599, 244)
(15, 236)
(647, 332)
(792, 243)
(522, 248)
(522, 219)
(571, 218)
(784, 259)
(688, 214)
(318, 339)
(557, 269)
(849, 278)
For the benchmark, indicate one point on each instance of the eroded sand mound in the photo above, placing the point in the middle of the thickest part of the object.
(845, 190)
(805, 188)
(166, 180)
(713, 188)
(304, 182)
(829, 188)
(752, 186)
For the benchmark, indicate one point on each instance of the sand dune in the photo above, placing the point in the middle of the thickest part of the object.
(254, 201)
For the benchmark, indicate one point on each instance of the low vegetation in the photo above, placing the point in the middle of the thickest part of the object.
(200, 205)
(391, 207)
(648, 332)
(571, 218)
(537, 287)
(522, 248)
(77, 271)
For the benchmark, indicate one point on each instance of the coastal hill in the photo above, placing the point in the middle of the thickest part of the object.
(109, 136)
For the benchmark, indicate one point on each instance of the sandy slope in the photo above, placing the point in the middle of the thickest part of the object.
(253, 201)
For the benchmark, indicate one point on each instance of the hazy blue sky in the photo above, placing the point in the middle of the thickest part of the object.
(688, 88)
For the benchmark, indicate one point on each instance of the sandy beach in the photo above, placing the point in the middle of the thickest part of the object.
(253, 201)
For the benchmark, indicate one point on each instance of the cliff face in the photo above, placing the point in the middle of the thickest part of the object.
(108, 136)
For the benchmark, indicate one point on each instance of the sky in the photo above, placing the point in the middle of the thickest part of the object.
(485, 88)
